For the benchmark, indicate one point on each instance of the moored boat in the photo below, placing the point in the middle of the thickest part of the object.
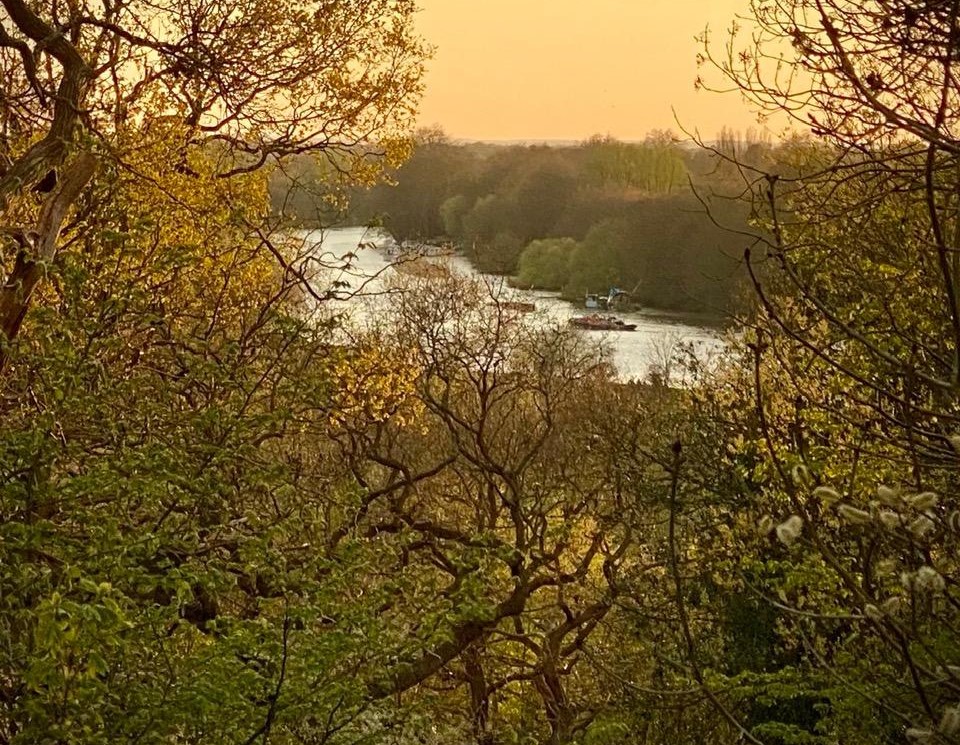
(517, 306)
(597, 322)
(420, 268)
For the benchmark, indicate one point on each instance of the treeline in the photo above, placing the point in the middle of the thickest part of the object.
(653, 218)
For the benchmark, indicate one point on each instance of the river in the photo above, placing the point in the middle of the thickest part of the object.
(634, 353)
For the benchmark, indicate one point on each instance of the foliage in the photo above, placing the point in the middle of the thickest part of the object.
(163, 376)
(630, 205)
(839, 417)
(545, 263)
(225, 517)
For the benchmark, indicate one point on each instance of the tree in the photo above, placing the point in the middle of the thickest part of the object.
(654, 166)
(542, 195)
(545, 263)
(248, 85)
(500, 504)
(593, 264)
(169, 370)
(853, 369)
(172, 359)
(411, 206)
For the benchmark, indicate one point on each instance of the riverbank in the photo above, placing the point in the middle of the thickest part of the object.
(625, 303)
(659, 338)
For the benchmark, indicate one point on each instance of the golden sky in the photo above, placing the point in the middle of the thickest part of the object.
(567, 69)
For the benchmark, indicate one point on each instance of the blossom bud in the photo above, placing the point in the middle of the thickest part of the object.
(950, 721)
(890, 520)
(789, 530)
(954, 521)
(852, 514)
(889, 496)
(923, 501)
(801, 475)
(891, 605)
(922, 526)
(765, 525)
(827, 495)
(929, 579)
(872, 612)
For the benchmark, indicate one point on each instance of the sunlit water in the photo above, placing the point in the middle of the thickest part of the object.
(635, 354)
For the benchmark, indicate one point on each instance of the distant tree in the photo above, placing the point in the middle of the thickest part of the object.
(593, 264)
(489, 216)
(411, 207)
(654, 166)
(452, 213)
(542, 196)
(546, 263)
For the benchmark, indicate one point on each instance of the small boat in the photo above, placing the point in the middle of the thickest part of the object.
(593, 300)
(517, 305)
(420, 268)
(597, 322)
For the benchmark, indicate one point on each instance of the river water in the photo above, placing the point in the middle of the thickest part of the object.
(658, 337)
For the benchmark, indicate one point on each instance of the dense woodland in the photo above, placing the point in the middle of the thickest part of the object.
(223, 521)
(656, 219)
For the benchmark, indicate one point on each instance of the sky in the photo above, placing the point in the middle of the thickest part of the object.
(569, 69)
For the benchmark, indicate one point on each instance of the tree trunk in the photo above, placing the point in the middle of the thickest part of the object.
(39, 247)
